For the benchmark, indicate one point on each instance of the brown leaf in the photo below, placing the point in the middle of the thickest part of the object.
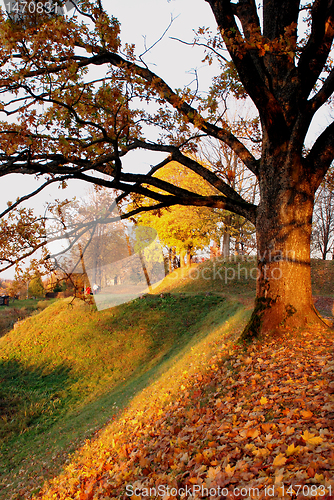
(310, 472)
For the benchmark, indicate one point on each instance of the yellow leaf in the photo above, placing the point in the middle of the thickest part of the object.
(311, 438)
(307, 435)
(291, 450)
(279, 460)
(261, 452)
(229, 470)
(318, 478)
(315, 440)
(263, 401)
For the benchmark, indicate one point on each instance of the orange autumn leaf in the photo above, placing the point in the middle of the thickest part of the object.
(306, 414)
(266, 427)
(292, 449)
(279, 460)
(193, 480)
(229, 470)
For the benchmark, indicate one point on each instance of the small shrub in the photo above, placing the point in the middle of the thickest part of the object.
(42, 304)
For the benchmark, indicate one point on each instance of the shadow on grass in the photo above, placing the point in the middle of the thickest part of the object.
(176, 324)
(31, 400)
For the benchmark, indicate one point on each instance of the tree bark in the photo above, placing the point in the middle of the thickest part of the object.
(170, 260)
(182, 259)
(226, 243)
(284, 224)
(189, 254)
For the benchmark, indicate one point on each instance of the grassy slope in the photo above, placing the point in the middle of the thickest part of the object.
(73, 377)
(61, 383)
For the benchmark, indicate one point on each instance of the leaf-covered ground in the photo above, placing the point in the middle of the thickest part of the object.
(258, 418)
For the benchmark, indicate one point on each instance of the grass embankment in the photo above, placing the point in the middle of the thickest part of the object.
(66, 371)
(70, 371)
(18, 310)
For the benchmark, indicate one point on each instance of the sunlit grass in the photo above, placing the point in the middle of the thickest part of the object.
(18, 310)
(68, 370)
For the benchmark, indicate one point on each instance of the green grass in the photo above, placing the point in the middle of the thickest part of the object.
(61, 383)
(68, 370)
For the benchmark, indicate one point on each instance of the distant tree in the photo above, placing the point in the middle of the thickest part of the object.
(183, 228)
(3, 287)
(93, 240)
(323, 220)
(17, 288)
(237, 231)
(98, 244)
(36, 287)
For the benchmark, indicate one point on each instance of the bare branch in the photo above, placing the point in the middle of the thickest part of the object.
(321, 155)
(33, 193)
(322, 95)
(315, 53)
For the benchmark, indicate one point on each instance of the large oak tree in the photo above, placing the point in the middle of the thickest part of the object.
(82, 103)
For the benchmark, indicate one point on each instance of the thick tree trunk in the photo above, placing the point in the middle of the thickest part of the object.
(284, 294)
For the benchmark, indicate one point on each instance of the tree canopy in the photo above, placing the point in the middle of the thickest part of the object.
(186, 228)
(82, 101)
